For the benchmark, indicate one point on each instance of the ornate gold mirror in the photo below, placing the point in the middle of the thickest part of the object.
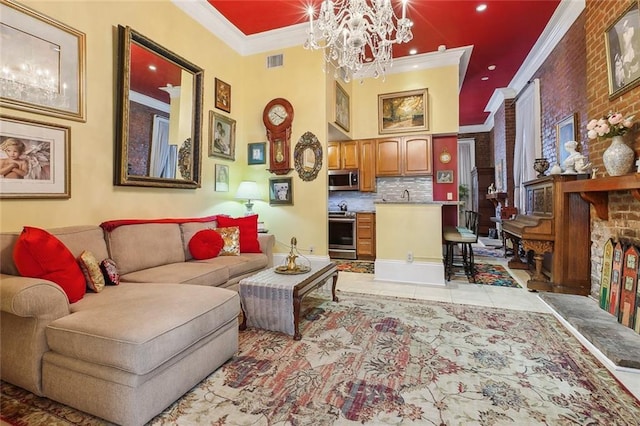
(159, 115)
(308, 156)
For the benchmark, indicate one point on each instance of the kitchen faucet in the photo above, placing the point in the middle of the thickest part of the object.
(406, 191)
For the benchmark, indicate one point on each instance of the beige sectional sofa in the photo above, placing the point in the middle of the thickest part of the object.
(128, 352)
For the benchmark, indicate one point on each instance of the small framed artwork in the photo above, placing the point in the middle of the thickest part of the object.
(280, 191)
(343, 109)
(565, 131)
(34, 159)
(222, 136)
(223, 95)
(256, 153)
(34, 46)
(622, 40)
(444, 176)
(222, 178)
(403, 111)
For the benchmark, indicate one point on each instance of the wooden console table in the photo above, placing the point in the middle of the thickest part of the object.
(596, 191)
(497, 197)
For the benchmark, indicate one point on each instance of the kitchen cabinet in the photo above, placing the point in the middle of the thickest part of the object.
(342, 155)
(366, 235)
(368, 165)
(404, 156)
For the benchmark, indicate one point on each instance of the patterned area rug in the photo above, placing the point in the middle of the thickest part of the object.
(385, 361)
(361, 266)
(494, 275)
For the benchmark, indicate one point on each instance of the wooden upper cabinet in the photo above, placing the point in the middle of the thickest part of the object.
(342, 155)
(404, 156)
(389, 157)
(417, 155)
(368, 165)
(333, 155)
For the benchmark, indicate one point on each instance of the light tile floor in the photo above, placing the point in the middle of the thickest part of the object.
(459, 290)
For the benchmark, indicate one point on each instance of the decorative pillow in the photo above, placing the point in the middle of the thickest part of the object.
(248, 231)
(110, 272)
(91, 270)
(231, 238)
(205, 244)
(39, 254)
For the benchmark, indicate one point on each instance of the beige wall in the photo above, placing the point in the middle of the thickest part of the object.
(301, 80)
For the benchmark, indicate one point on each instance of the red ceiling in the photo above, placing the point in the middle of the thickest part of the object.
(148, 81)
(502, 35)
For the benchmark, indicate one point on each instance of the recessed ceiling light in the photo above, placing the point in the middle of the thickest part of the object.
(485, 78)
(413, 51)
(152, 67)
(491, 67)
(481, 7)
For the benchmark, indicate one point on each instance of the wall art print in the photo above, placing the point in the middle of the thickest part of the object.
(622, 40)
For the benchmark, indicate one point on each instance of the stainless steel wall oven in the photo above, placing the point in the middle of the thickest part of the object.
(342, 235)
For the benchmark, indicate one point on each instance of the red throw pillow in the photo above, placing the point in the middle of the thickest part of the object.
(205, 244)
(39, 254)
(248, 231)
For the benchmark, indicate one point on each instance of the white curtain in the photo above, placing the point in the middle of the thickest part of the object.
(159, 147)
(466, 163)
(528, 141)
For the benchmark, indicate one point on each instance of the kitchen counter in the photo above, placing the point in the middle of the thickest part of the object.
(408, 242)
(441, 203)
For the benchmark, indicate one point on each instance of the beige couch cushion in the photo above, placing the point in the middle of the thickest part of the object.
(131, 328)
(142, 246)
(238, 265)
(189, 229)
(213, 274)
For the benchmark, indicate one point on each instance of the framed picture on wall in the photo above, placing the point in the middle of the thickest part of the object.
(343, 111)
(403, 111)
(34, 159)
(444, 176)
(622, 40)
(223, 95)
(256, 153)
(34, 46)
(222, 136)
(566, 130)
(222, 178)
(281, 191)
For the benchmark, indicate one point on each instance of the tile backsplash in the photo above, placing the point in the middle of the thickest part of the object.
(390, 189)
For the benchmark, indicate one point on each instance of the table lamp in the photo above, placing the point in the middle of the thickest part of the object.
(248, 190)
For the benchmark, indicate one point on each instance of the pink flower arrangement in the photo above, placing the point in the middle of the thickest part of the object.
(614, 124)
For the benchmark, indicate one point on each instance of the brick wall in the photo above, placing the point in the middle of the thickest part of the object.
(624, 210)
(504, 140)
(563, 83)
(484, 148)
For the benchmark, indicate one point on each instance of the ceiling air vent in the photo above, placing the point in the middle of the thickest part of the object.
(275, 61)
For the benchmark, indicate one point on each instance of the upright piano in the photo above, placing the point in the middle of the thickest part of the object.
(555, 227)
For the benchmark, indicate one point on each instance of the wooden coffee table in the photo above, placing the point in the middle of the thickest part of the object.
(272, 301)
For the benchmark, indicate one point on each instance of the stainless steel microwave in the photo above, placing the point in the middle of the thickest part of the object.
(344, 180)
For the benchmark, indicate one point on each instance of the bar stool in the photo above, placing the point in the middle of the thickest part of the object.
(465, 236)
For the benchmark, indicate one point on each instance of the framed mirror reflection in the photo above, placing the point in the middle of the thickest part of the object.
(159, 125)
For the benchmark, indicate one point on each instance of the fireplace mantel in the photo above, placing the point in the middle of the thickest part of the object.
(596, 191)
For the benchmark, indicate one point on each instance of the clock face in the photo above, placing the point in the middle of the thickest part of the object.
(445, 157)
(277, 114)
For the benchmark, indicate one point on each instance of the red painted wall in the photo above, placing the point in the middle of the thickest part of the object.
(440, 190)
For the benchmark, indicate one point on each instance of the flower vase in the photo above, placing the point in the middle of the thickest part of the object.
(618, 157)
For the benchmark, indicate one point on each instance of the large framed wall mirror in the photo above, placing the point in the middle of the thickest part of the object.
(159, 126)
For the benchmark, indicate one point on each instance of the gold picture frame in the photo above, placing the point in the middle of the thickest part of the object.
(343, 108)
(566, 130)
(403, 111)
(42, 170)
(622, 48)
(33, 46)
(222, 136)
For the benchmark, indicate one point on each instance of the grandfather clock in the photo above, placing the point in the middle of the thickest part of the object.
(277, 117)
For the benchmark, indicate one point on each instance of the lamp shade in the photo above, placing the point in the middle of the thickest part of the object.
(248, 190)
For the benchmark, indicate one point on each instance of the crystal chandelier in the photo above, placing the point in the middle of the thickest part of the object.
(357, 36)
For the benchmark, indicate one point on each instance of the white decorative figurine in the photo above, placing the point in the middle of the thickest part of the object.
(638, 164)
(575, 162)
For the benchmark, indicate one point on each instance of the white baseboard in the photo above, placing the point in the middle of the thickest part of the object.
(431, 273)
